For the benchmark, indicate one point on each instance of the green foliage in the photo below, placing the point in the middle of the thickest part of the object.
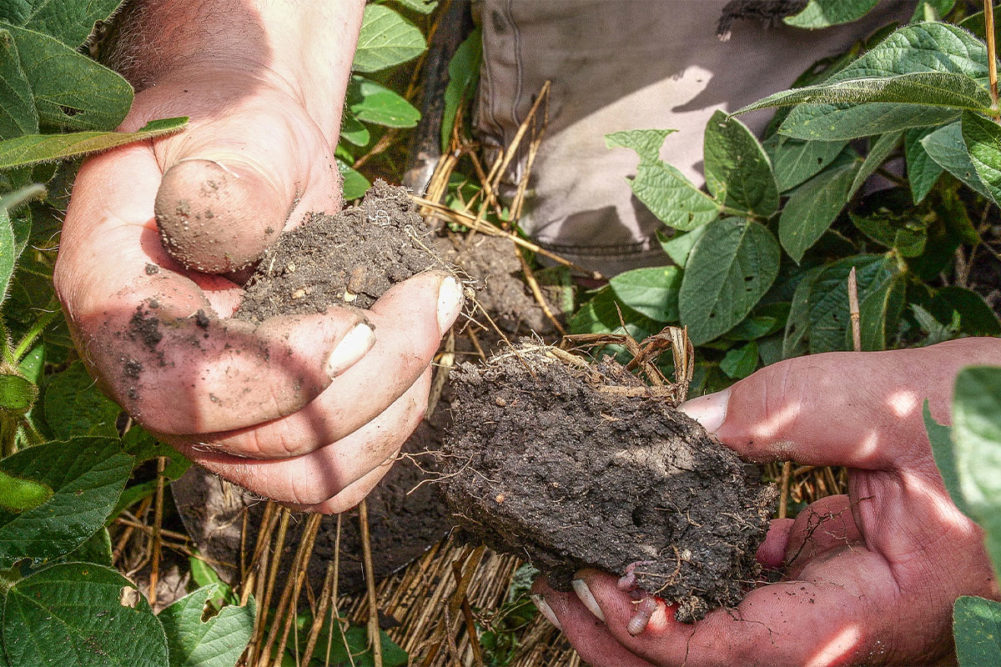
(976, 625)
(825, 13)
(463, 75)
(216, 641)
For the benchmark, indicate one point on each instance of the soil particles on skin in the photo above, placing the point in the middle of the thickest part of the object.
(573, 466)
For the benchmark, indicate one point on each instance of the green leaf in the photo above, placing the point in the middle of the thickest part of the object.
(738, 173)
(372, 102)
(796, 160)
(17, 394)
(740, 361)
(355, 640)
(813, 206)
(922, 171)
(940, 437)
(906, 232)
(825, 13)
(353, 131)
(601, 314)
(729, 270)
(975, 316)
(463, 75)
(74, 406)
(932, 10)
(69, 22)
(680, 245)
(8, 253)
(422, 6)
(34, 148)
(670, 196)
(880, 310)
(386, 39)
(947, 148)
(983, 140)
(354, 184)
(878, 153)
(215, 642)
(795, 342)
(18, 495)
(97, 549)
(976, 626)
(86, 476)
(71, 91)
(17, 104)
(80, 614)
(827, 301)
(976, 433)
(652, 292)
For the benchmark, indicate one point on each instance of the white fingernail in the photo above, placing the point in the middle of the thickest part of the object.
(350, 349)
(449, 303)
(584, 593)
(708, 410)
(546, 610)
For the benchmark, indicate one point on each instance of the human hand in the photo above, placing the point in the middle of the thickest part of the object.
(868, 577)
(309, 409)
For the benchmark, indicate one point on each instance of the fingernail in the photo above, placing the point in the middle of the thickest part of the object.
(584, 593)
(708, 410)
(350, 349)
(449, 303)
(546, 610)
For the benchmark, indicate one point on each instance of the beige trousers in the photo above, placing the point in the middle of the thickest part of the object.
(621, 65)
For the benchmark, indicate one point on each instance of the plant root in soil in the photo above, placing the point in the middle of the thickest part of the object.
(571, 466)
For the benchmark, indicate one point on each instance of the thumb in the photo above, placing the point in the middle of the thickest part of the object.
(856, 409)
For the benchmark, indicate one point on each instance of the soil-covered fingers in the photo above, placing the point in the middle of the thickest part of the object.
(857, 409)
(316, 480)
(409, 321)
(149, 332)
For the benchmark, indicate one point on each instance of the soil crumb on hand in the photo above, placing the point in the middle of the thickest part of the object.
(349, 258)
(574, 466)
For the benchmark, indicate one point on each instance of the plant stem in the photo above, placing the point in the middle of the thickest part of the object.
(992, 63)
(24, 346)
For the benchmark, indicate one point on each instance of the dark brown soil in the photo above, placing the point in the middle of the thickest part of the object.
(574, 467)
(352, 257)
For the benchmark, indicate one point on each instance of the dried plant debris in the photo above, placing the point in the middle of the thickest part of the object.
(572, 466)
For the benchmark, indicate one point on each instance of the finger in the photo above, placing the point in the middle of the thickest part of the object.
(409, 321)
(355, 492)
(150, 333)
(588, 635)
(826, 525)
(772, 552)
(240, 174)
(857, 409)
(317, 478)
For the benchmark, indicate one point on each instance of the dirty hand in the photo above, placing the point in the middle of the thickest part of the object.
(868, 577)
(310, 409)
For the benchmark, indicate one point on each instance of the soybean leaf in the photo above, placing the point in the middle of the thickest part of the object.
(71, 91)
(74, 406)
(932, 10)
(463, 73)
(922, 171)
(81, 614)
(601, 314)
(825, 13)
(880, 310)
(17, 104)
(940, 437)
(796, 160)
(976, 625)
(795, 342)
(976, 318)
(422, 6)
(69, 22)
(18, 495)
(680, 245)
(905, 232)
(827, 303)
(947, 148)
(8, 253)
(374, 103)
(813, 206)
(740, 362)
(353, 131)
(97, 549)
(652, 292)
(386, 39)
(729, 270)
(34, 148)
(215, 642)
(86, 476)
(738, 172)
(878, 152)
(983, 140)
(671, 197)
(354, 184)
(976, 434)
(17, 394)
(355, 640)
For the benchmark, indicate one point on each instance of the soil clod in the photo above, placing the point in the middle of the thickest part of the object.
(605, 479)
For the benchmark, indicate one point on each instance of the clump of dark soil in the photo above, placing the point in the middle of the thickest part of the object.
(352, 257)
(574, 466)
